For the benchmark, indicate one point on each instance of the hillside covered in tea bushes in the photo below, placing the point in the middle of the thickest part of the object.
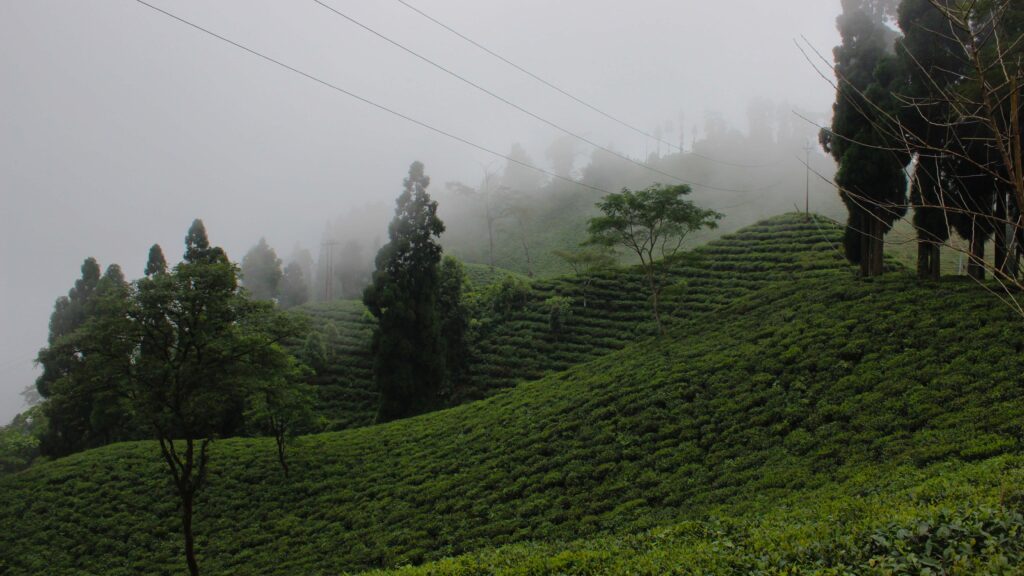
(609, 310)
(831, 423)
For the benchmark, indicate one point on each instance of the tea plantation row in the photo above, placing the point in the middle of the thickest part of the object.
(609, 310)
(804, 392)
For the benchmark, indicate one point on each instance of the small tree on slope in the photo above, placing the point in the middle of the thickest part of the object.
(185, 349)
(652, 223)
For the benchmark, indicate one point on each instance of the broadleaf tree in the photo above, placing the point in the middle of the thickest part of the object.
(652, 223)
(185, 350)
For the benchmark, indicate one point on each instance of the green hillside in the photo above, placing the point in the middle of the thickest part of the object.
(789, 421)
(610, 310)
(950, 518)
(481, 275)
(345, 394)
(346, 397)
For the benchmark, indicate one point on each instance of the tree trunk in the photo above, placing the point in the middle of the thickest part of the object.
(654, 301)
(865, 251)
(976, 264)
(928, 259)
(526, 249)
(187, 498)
(490, 238)
(280, 453)
(1000, 237)
(872, 248)
(879, 248)
(1013, 248)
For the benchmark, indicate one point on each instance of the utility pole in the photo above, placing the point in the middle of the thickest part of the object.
(807, 192)
(327, 248)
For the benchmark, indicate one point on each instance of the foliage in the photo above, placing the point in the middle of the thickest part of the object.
(155, 263)
(808, 417)
(82, 409)
(69, 313)
(652, 223)
(261, 272)
(19, 440)
(586, 261)
(501, 299)
(341, 357)
(506, 349)
(179, 351)
(454, 313)
(294, 286)
(408, 349)
(560, 312)
(282, 405)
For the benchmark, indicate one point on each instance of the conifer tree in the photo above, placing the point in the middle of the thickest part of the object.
(926, 61)
(156, 264)
(294, 287)
(68, 314)
(261, 272)
(408, 352)
(82, 408)
(871, 178)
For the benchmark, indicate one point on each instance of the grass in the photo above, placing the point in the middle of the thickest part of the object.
(783, 427)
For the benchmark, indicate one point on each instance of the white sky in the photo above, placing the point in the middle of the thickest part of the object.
(118, 126)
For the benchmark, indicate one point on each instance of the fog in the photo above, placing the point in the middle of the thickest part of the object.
(120, 125)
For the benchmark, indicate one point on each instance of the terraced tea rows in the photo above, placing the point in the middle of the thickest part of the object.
(809, 395)
(610, 310)
(345, 394)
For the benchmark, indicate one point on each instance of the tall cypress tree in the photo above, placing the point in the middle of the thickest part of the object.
(871, 178)
(929, 62)
(409, 365)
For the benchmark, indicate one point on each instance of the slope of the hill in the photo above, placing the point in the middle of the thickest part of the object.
(949, 518)
(610, 310)
(482, 276)
(346, 396)
(344, 383)
(826, 383)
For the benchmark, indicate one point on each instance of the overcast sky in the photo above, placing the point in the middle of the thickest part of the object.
(118, 125)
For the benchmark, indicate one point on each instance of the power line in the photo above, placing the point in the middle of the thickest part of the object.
(571, 96)
(368, 101)
(520, 108)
